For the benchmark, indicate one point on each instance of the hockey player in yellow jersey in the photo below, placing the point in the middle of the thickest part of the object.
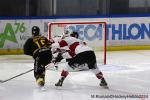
(38, 47)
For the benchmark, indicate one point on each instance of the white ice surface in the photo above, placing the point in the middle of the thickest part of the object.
(127, 73)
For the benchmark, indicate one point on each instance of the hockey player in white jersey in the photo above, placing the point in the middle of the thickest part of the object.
(77, 54)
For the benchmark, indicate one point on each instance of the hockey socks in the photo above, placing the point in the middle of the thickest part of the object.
(99, 75)
(64, 74)
(103, 82)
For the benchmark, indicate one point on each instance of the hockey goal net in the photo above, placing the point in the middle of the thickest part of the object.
(93, 33)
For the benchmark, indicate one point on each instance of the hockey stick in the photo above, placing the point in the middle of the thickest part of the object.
(3, 81)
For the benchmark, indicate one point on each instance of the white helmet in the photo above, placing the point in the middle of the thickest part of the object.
(68, 30)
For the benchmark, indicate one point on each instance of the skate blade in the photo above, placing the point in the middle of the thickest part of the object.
(105, 87)
(42, 88)
(57, 86)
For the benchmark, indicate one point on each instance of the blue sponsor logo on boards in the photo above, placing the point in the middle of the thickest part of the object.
(132, 31)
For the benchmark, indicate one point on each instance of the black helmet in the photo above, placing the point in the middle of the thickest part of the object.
(74, 34)
(35, 30)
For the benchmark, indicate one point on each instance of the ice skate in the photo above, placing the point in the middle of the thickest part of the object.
(40, 82)
(104, 83)
(60, 82)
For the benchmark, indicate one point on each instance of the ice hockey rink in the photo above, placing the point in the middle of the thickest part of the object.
(127, 74)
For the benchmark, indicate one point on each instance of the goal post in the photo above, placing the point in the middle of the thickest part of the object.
(93, 33)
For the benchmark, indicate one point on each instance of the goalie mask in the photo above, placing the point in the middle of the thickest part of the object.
(35, 31)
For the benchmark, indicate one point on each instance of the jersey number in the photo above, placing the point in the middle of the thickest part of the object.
(40, 43)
